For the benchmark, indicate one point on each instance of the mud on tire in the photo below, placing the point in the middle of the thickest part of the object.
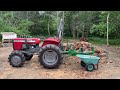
(50, 56)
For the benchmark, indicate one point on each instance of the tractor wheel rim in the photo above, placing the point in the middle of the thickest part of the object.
(50, 57)
(16, 60)
(90, 67)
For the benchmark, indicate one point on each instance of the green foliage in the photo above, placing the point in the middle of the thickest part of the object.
(23, 27)
(99, 29)
(102, 41)
(114, 41)
(11, 23)
(97, 40)
(36, 23)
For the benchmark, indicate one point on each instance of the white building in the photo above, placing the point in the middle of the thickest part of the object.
(7, 38)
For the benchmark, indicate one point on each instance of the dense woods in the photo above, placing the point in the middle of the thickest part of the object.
(77, 23)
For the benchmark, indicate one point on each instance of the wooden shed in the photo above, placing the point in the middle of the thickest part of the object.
(7, 38)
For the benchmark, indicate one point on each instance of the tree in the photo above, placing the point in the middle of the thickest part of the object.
(36, 23)
(107, 27)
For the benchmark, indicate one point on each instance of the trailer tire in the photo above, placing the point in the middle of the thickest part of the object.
(89, 67)
(50, 56)
(83, 64)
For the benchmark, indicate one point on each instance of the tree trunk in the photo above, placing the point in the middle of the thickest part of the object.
(57, 19)
(12, 14)
(63, 20)
(87, 33)
(83, 32)
(27, 20)
(73, 32)
(48, 29)
(107, 28)
(77, 33)
(49, 26)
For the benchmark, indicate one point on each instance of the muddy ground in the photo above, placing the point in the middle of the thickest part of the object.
(70, 69)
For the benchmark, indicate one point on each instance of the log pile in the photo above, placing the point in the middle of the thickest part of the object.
(88, 47)
(85, 45)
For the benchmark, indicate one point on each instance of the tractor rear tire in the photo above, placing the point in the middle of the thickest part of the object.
(28, 57)
(50, 56)
(16, 59)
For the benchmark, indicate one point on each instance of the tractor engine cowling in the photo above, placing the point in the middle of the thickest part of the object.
(19, 43)
(51, 40)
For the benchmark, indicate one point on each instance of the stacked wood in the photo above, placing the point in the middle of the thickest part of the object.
(85, 45)
(88, 47)
(84, 39)
(67, 46)
(104, 57)
(97, 51)
(77, 45)
(103, 60)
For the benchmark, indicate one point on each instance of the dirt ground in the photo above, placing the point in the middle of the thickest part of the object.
(70, 69)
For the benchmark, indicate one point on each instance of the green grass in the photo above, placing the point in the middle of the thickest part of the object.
(96, 41)
(102, 41)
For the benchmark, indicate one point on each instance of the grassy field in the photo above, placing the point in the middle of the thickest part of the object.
(102, 41)
(97, 41)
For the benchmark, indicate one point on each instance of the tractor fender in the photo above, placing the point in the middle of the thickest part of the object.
(51, 40)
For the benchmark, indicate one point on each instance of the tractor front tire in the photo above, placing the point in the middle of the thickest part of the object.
(50, 56)
(16, 59)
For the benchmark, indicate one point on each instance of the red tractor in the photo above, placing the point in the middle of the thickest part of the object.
(49, 53)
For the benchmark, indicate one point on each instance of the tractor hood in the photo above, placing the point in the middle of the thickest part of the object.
(53, 39)
(29, 40)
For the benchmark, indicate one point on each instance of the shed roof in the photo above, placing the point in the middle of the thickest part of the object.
(10, 33)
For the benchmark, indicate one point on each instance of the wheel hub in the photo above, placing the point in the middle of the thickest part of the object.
(16, 60)
(90, 67)
(50, 57)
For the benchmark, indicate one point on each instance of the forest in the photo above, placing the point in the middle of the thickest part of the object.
(91, 24)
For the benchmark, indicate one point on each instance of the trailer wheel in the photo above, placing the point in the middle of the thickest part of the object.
(83, 64)
(89, 67)
(16, 59)
(50, 56)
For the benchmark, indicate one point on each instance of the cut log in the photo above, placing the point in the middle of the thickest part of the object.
(103, 60)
